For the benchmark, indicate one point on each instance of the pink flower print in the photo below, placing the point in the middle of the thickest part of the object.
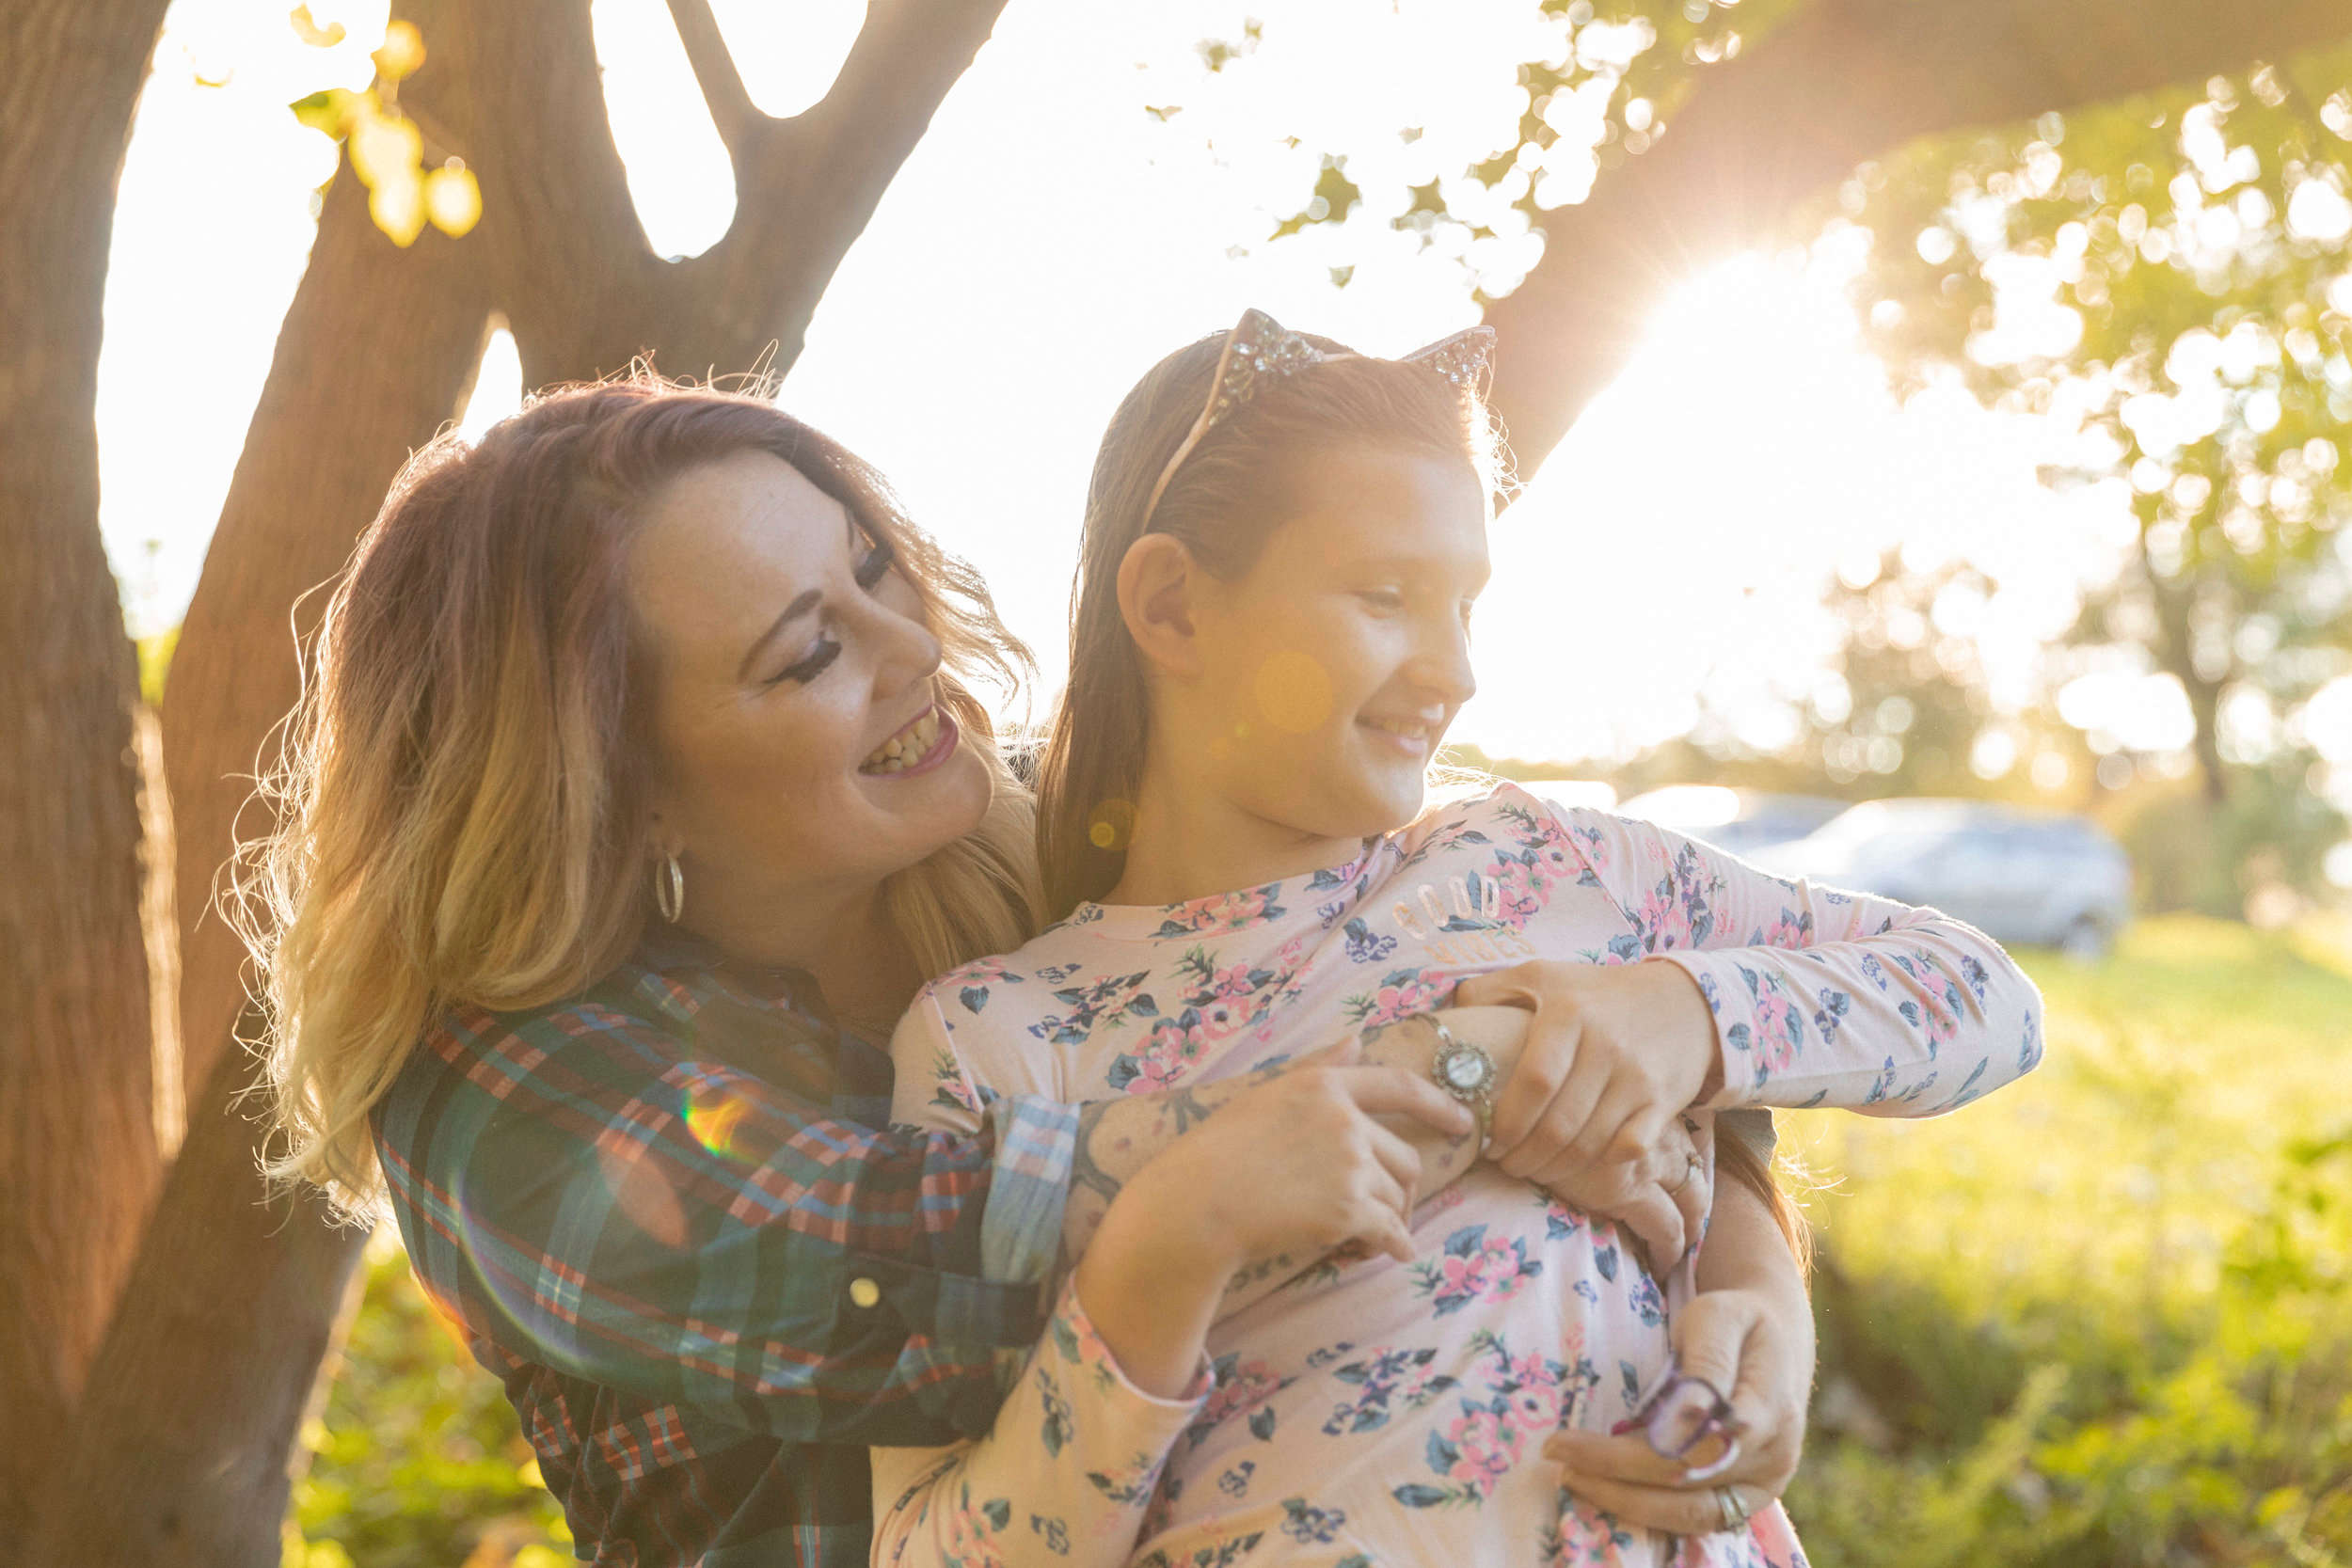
(1521, 891)
(1403, 993)
(1486, 1447)
(1662, 919)
(1171, 1050)
(1786, 931)
(1778, 1031)
(1234, 983)
(1474, 1267)
(1242, 1388)
(1228, 912)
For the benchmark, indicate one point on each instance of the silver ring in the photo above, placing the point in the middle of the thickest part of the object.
(1729, 1508)
(1688, 1171)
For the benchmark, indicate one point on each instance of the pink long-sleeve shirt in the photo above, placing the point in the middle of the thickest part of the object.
(1387, 1413)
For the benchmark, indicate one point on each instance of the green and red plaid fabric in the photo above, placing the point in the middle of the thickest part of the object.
(664, 1212)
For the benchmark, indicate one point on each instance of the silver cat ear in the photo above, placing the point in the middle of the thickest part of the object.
(1465, 358)
(1258, 350)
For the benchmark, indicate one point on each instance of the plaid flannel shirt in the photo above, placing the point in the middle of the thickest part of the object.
(664, 1213)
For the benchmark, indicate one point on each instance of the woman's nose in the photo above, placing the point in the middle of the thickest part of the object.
(909, 650)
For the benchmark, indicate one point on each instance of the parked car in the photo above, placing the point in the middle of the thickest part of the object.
(1739, 821)
(2041, 878)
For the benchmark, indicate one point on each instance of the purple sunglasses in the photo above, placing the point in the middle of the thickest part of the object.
(1686, 1418)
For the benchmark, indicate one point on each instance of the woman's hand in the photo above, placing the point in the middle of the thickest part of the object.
(1737, 1341)
(1613, 1054)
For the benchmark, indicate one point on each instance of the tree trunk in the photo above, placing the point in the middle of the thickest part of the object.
(202, 1379)
(1843, 81)
(212, 1351)
(78, 1159)
(210, 1365)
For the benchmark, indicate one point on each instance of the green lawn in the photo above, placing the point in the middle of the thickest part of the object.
(2102, 1317)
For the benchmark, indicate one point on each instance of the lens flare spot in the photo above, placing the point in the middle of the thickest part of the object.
(713, 1115)
(639, 1188)
(1112, 825)
(1293, 692)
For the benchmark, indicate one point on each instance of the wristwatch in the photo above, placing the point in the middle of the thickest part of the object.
(1466, 1073)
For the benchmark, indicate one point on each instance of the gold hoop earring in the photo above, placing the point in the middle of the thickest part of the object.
(669, 889)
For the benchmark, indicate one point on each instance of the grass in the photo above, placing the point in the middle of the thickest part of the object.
(2104, 1317)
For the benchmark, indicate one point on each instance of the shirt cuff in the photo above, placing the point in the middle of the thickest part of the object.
(1037, 1143)
(1121, 1428)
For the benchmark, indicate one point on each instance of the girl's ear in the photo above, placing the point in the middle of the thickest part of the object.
(1157, 581)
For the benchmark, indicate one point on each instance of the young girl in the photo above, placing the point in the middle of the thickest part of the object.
(1283, 543)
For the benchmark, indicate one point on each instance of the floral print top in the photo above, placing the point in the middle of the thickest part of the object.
(1370, 1412)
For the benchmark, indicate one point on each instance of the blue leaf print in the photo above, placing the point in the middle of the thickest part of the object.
(1142, 1006)
(1466, 1241)
(1056, 1429)
(1910, 1011)
(1973, 972)
(1308, 1524)
(1872, 967)
(1817, 1097)
(1261, 1423)
(1415, 1495)
(2029, 1052)
(1363, 947)
(1969, 1083)
(999, 1512)
(973, 997)
(1883, 1087)
(1625, 948)
(1443, 1455)
(1605, 1260)
(1632, 1381)
(1055, 1532)
(1835, 1004)
(1235, 1482)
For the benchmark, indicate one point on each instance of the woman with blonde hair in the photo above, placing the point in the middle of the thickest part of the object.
(638, 784)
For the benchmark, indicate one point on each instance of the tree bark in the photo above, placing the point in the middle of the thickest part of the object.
(207, 1368)
(78, 1157)
(201, 1382)
(212, 1352)
(1842, 81)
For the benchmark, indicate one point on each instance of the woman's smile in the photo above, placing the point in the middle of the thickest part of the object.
(922, 745)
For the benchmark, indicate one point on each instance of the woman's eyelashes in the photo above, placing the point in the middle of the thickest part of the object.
(871, 568)
(1386, 600)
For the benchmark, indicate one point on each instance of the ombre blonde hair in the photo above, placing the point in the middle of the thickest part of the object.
(461, 802)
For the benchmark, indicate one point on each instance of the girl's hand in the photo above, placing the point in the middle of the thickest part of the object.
(1614, 1054)
(1298, 1165)
(1734, 1340)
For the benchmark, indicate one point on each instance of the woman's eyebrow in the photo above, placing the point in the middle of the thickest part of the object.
(792, 612)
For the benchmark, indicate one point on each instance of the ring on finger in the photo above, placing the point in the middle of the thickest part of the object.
(1731, 1508)
(1688, 1170)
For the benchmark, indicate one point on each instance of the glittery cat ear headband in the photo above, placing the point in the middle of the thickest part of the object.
(1261, 350)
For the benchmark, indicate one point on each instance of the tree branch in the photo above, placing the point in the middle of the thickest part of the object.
(815, 183)
(1845, 80)
(732, 111)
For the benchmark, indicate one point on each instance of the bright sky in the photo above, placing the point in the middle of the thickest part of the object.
(1050, 238)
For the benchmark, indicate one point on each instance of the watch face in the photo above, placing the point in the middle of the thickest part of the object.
(1465, 1070)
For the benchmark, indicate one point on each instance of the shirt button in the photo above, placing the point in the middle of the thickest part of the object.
(865, 1292)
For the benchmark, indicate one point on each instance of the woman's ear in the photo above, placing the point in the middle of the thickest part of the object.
(1158, 581)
